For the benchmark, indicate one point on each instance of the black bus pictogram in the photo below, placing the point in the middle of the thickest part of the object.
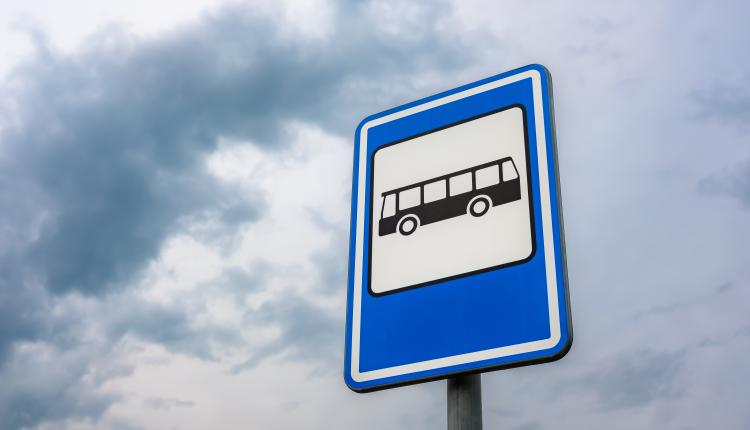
(470, 191)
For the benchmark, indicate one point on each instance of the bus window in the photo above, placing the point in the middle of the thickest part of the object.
(434, 191)
(488, 176)
(460, 184)
(509, 171)
(409, 198)
(389, 205)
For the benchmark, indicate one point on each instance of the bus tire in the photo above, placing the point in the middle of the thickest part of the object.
(408, 225)
(479, 206)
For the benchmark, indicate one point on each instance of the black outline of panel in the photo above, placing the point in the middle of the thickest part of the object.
(569, 320)
(474, 272)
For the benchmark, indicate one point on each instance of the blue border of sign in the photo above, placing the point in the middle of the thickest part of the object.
(537, 356)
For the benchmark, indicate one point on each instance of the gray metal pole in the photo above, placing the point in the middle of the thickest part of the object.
(465, 402)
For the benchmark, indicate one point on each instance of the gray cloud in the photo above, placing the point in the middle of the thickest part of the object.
(308, 333)
(331, 258)
(111, 139)
(682, 304)
(531, 425)
(23, 312)
(169, 326)
(637, 379)
(166, 403)
(43, 383)
(725, 102)
(733, 182)
(103, 158)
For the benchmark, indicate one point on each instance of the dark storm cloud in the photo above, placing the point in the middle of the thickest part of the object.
(111, 139)
(42, 384)
(103, 157)
(108, 143)
(23, 312)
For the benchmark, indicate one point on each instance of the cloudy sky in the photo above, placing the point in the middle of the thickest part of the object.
(174, 186)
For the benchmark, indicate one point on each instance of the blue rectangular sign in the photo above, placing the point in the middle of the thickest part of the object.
(457, 259)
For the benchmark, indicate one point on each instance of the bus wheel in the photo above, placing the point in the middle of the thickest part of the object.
(408, 225)
(479, 206)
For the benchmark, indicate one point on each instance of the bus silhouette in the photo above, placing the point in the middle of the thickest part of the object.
(470, 191)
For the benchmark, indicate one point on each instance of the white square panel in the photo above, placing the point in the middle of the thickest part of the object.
(472, 228)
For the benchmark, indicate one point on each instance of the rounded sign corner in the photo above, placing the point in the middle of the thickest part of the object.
(352, 384)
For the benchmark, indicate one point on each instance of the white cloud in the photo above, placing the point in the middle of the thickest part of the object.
(66, 25)
(274, 395)
(313, 174)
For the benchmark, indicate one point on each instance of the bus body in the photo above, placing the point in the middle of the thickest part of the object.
(469, 191)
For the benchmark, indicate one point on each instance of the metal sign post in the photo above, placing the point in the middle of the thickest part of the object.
(465, 402)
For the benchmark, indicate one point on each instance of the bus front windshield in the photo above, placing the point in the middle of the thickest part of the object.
(389, 206)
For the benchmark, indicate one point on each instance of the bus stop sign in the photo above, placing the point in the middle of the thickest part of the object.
(457, 258)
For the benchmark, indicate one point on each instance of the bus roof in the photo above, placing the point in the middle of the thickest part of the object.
(437, 178)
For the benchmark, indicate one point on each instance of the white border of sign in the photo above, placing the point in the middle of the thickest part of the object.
(547, 239)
